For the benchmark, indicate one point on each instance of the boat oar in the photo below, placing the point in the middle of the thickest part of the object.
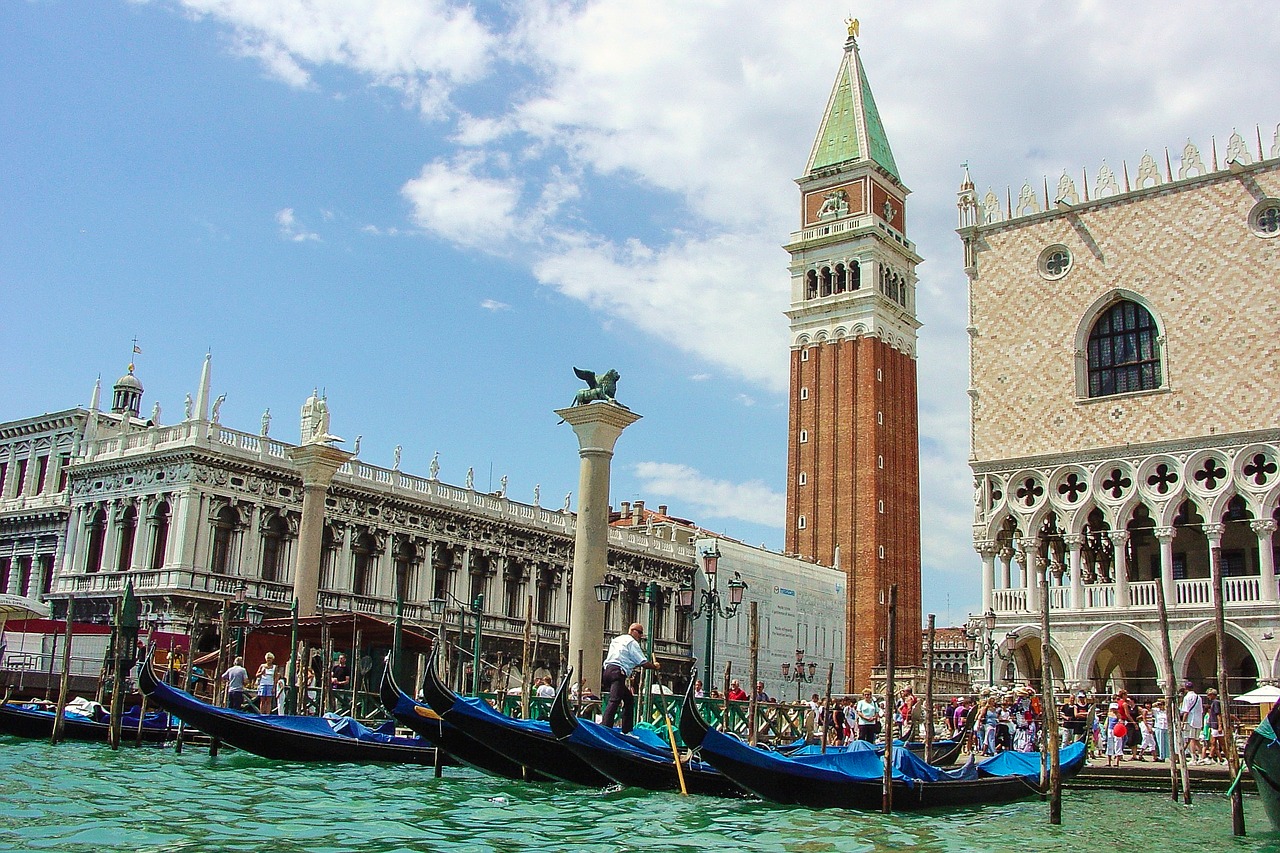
(675, 750)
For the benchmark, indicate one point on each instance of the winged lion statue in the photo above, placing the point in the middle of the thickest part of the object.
(600, 386)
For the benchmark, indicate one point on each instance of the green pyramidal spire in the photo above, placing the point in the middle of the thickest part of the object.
(851, 128)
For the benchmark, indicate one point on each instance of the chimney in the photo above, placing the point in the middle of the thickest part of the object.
(662, 509)
(626, 511)
(639, 511)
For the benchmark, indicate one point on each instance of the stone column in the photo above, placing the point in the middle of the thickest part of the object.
(1027, 550)
(1074, 542)
(1264, 528)
(1006, 567)
(987, 550)
(317, 463)
(250, 563)
(71, 549)
(597, 426)
(1213, 533)
(1164, 535)
(1120, 565)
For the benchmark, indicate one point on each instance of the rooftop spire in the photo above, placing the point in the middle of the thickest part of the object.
(851, 129)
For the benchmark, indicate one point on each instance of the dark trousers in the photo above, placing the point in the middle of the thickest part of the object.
(235, 699)
(614, 680)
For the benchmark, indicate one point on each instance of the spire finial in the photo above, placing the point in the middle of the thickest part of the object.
(852, 23)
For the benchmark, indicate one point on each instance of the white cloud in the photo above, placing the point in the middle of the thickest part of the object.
(699, 295)
(452, 200)
(421, 47)
(494, 305)
(708, 498)
(292, 229)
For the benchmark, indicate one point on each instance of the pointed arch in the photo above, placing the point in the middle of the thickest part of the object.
(1098, 640)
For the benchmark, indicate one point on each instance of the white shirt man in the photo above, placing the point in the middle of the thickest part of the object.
(545, 690)
(625, 656)
(1192, 713)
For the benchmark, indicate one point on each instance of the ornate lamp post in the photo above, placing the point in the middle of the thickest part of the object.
(711, 604)
(476, 609)
(980, 632)
(803, 673)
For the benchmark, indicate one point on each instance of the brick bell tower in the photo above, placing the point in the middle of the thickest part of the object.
(853, 458)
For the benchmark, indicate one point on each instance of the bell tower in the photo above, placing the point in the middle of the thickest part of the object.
(853, 459)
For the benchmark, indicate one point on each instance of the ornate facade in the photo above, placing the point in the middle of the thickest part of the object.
(1124, 433)
(195, 513)
(853, 463)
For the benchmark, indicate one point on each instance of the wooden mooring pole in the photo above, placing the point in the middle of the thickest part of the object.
(526, 658)
(1177, 761)
(928, 690)
(828, 711)
(1224, 685)
(1049, 708)
(891, 621)
(753, 705)
(64, 684)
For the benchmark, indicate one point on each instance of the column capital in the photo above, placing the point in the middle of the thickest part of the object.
(1118, 537)
(597, 425)
(1213, 532)
(317, 463)
(1166, 534)
(1073, 541)
(987, 548)
(1263, 526)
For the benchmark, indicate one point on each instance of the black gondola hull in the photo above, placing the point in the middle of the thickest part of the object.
(537, 750)
(1262, 755)
(276, 741)
(452, 742)
(21, 722)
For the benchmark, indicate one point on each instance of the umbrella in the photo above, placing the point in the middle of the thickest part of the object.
(1261, 695)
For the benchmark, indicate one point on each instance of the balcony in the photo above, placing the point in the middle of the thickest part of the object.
(1237, 592)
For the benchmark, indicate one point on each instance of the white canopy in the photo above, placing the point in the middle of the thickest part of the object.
(1266, 694)
(20, 607)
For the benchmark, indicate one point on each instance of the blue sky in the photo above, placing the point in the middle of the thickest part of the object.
(433, 210)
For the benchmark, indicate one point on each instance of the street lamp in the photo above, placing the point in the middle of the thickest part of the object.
(711, 604)
(980, 632)
(476, 609)
(803, 673)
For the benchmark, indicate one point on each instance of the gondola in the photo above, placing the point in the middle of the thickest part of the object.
(451, 742)
(852, 779)
(631, 759)
(529, 743)
(33, 721)
(1262, 755)
(286, 738)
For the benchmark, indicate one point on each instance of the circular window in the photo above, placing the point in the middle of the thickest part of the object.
(1264, 219)
(1055, 262)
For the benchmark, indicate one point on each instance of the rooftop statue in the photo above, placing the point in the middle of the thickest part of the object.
(600, 386)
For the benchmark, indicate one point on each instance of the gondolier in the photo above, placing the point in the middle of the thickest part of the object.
(625, 656)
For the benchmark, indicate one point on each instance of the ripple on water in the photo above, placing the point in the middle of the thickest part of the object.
(84, 797)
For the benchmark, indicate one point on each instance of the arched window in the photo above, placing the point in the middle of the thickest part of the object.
(224, 528)
(1123, 354)
(274, 533)
(128, 527)
(364, 550)
(97, 537)
(160, 534)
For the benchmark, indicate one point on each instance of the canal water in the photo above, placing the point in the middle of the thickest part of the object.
(84, 797)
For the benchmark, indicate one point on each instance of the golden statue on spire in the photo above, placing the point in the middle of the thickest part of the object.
(853, 26)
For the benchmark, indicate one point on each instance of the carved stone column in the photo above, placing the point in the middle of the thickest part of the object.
(1120, 565)
(317, 463)
(1264, 528)
(1006, 567)
(1027, 550)
(141, 535)
(1074, 542)
(1165, 536)
(987, 550)
(597, 426)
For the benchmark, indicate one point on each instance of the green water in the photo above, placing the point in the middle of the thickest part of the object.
(83, 797)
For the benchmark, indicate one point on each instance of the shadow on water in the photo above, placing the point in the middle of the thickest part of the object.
(84, 797)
